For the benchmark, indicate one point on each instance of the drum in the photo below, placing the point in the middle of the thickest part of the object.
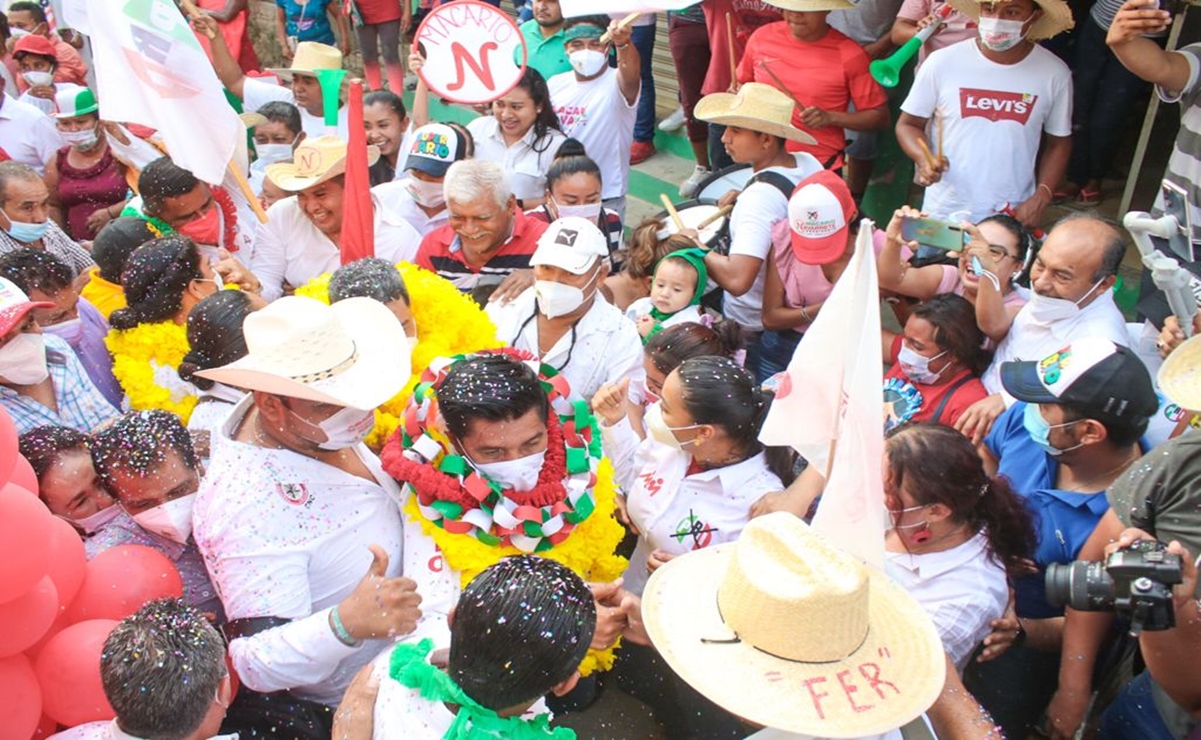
(723, 181)
(693, 213)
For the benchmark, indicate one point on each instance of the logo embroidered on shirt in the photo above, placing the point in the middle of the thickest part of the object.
(296, 494)
(996, 105)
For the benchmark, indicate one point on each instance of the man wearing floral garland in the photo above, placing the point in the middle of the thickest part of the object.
(501, 462)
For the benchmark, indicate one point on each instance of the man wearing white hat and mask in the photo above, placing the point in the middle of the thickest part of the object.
(300, 239)
(299, 525)
(564, 320)
(997, 96)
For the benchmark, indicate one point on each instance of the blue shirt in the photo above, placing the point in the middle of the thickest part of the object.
(307, 20)
(1063, 520)
(80, 405)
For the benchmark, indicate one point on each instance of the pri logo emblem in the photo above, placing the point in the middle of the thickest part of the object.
(996, 105)
(296, 494)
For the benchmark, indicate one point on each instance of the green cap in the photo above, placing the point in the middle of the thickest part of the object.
(75, 101)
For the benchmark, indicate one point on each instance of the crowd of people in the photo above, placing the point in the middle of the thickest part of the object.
(463, 486)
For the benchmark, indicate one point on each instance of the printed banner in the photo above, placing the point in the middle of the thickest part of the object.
(470, 50)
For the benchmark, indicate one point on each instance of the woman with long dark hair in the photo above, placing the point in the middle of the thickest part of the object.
(957, 535)
(523, 135)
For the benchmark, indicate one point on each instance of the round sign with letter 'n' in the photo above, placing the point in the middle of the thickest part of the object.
(471, 52)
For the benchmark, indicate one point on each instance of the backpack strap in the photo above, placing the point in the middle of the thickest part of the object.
(780, 182)
(946, 398)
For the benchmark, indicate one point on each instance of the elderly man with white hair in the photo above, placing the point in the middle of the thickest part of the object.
(488, 240)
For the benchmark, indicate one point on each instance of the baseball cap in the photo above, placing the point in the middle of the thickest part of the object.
(819, 211)
(35, 44)
(572, 243)
(75, 101)
(1093, 372)
(14, 305)
(435, 148)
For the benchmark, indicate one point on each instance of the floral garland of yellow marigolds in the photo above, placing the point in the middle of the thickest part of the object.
(146, 359)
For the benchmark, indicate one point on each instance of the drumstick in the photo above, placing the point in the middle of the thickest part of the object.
(938, 119)
(604, 39)
(730, 43)
(671, 211)
(780, 84)
(194, 12)
(930, 160)
(719, 213)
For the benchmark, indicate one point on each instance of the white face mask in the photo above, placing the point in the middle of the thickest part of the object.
(589, 211)
(917, 367)
(656, 426)
(85, 140)
(273, 153)
(347, 428)
(23, 360)
(556, 299)
(427, 194)
(587, 62)
(38, 79)
(70, 331)
(1001, 35)
(1045, 310)
(172, 519)
(90, 525)
(520, 474)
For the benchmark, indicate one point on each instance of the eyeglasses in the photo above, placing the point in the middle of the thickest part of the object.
(999, 253)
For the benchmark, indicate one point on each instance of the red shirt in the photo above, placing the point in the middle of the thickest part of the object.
(746, 17)
(905, 400)
(441, 252)
(830, 73)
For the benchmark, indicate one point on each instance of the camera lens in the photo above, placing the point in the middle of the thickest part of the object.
(1084, 586)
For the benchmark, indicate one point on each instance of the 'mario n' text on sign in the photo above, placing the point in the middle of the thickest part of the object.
(471, 52)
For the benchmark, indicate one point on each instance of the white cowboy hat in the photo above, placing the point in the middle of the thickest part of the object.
(756, 106)
(786, 631)
(1056, 17)
(1180, 375)
(812, 6)
(314, 161)
(352, 353)
(310, 57)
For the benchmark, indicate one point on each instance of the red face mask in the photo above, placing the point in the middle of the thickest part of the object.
(206, 229)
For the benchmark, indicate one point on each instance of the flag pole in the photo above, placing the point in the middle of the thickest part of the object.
(730, 45)
(194, 12)
(244, 185)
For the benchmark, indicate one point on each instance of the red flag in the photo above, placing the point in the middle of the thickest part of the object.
(358, 214)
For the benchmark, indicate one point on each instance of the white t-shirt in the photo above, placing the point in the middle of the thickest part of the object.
(962, 589)
(108, 730)
(758, 208)
(290, 248)
(526, 161)
(596, 114)
(257, 93)
(994, 118)
(28, 135)
(395, 197)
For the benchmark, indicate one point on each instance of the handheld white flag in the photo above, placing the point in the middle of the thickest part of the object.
(829, 403)
(575, 8)
(151, 70)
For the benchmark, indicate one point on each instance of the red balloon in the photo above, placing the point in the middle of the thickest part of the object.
(22, 475)
(67, 561)
(68, 670)
(46, 727)
(25, 527)
(26, 618)
(20, 698)
(118, 581)
(8, 444)
(60, 623)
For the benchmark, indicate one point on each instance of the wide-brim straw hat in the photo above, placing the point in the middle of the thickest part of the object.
(310, 57)
(352, 353)
(314, 162)
(786, 631)
(1180, 375)
(1056, 17)
(812, 6)
(755, 106)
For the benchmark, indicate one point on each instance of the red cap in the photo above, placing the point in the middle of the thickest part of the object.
(14, 305)
(34, 44)
(819, 212)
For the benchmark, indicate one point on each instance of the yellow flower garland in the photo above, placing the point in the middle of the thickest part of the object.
(588, 552)
(145, 354)
(448, 324)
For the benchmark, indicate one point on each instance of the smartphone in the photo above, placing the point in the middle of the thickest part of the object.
(1175, 203)
(1169, 5)
(930, 232)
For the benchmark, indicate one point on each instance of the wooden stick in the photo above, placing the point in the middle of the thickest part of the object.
(780, 84)
(938, 119)
(719, 213)
(604, 39)
(671, 211)
(929, 155)
(730, 44)
(190, 8)
(247, 191)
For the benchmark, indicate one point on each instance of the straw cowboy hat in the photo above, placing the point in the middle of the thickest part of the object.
(1056, 17)
(756, 106)
(811, 6)
(1180, 375)
(786, 631)
(352, 353)
(314, 162)
(310, 56)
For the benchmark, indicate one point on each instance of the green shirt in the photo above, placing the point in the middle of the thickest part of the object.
(546, 55)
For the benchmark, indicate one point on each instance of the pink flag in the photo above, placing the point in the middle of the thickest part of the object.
(828, 408)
